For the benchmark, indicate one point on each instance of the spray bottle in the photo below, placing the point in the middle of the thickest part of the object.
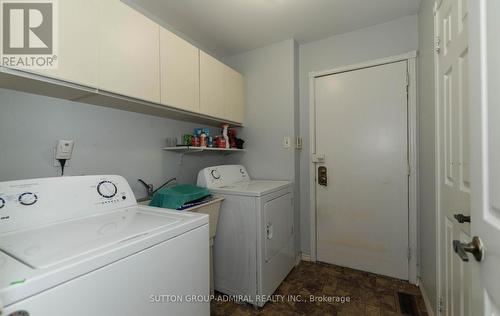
(225, 128)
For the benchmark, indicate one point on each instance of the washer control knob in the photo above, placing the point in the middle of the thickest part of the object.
(28, 198)
(215, 174)
(2, 203)
(107, 189)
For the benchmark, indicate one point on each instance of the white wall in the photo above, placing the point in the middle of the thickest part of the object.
(388, 39)
(108, 141)
(271, 113)
(269, 109)
(427, 151)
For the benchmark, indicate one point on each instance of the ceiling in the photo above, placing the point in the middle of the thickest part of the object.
(227, 27)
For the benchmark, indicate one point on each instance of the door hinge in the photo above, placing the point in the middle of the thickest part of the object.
(437, 44)
(407, 83)
(440, 306)
(409, 254)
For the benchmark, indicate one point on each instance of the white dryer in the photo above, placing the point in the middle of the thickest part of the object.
(82, 246)
(254, 245)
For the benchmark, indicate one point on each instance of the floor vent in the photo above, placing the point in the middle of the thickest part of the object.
(408, 304)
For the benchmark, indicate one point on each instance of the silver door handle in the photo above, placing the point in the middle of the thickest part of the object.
(475, 247)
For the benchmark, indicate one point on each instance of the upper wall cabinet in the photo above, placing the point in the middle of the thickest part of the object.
(78, 30)
(129, 52)
(221, 90)
(115, 51)
(212, 95)
(234, 91)
(180, 72)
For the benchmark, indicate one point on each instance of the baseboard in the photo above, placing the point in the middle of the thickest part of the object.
(298, 259)
(428, 306)
(305, 257)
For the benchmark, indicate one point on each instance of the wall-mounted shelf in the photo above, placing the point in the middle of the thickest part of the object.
(190, 149)
(182, 150)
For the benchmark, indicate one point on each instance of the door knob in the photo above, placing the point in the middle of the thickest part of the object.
(475, 247)
(461, 218)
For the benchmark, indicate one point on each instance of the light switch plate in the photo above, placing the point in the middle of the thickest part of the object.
(298, 143)
(287, 142)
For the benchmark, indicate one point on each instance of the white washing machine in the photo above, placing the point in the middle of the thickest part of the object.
(82, 246)
(254, 245)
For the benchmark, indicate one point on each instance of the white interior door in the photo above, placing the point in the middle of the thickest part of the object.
(362, 130)
(453, 154)
(485, 149)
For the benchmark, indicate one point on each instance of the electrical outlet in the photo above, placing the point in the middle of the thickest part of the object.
(64, 149)
(287, 142)
(56, 162)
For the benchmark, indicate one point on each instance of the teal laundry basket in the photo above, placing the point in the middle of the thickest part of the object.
(178, 196)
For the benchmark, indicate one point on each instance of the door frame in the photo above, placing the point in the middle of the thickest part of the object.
(437, 163)
(410, 58)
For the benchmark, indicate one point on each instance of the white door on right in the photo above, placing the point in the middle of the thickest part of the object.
(453, 154)
(485, 153)
(362, 130)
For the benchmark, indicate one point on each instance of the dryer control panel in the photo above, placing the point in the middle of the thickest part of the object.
(221, 176)
(25, 203)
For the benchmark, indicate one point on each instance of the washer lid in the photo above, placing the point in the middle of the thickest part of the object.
(50, 245)
(252, 188)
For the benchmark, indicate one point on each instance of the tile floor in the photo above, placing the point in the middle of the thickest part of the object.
(369, 294)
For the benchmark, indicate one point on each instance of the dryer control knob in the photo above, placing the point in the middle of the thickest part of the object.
(28, 198)
(215, 174)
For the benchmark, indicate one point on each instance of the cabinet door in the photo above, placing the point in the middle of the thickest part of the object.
(129, 52)
(234, 100)
(180, 72)
(77, 37)
(221, 90)
(212, 74)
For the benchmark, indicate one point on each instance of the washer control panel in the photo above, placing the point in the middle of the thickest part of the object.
(33, 202)
(220, 176)
(107, 189)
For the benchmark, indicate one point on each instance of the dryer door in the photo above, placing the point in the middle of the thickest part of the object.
(278, 217)
(277, 241)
